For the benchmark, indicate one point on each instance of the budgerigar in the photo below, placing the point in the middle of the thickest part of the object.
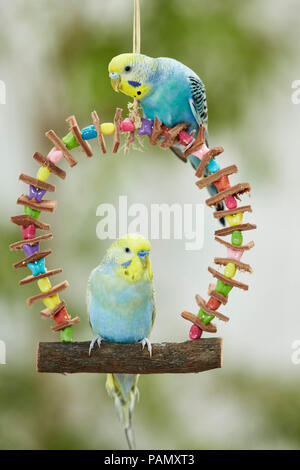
(121, 308)
(166, 89)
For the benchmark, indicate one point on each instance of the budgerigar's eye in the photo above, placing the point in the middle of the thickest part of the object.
(127, 250)
(127, 68)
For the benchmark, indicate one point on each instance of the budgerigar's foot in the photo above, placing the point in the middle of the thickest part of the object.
(97, 340)
(144, 342)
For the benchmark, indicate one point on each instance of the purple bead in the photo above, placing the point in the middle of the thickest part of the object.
(146, 128)
(30, 249)
(36, 193)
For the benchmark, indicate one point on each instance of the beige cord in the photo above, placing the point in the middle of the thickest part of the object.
(137, 27)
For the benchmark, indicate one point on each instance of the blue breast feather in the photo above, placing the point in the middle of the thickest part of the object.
(120, 311)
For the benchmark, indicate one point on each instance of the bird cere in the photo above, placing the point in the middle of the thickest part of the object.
(169, 109)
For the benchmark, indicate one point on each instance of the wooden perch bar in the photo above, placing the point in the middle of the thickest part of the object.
(167, 358)
(58, 143)
(97, 125)
(37, 183)
(46, 205)
(75, 129)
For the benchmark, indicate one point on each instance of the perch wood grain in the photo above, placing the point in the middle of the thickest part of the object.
(167, 358)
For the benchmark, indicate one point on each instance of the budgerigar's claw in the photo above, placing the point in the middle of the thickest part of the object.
(97, 340)
(146, 341)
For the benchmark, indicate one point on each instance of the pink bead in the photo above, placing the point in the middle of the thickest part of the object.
(201, 151)
(230, 202)
(195, 332)
(185, 138)
(55, 155)
(236, 254)
(28, 232)
(127, 126)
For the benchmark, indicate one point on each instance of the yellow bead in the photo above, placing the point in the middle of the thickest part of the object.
(44, 284)
(108, 128)
(43, 173)
(235, 219)
(229, 270)
(51, 302)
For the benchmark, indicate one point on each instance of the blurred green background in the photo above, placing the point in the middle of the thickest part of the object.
(53, 59)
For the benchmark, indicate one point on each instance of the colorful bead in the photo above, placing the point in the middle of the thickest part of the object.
(213, 303)
(201, 151)
(70, 141)
(43, 173)
(185, 138)
(236, 254)
(230, 270)
(127, 126)
(236, 237)
(28, 232)
(205, 317)
(213, 166)
(146, 128)
(51, 301)
(36, 193)
(66, 335)
(30, 249)
(55, 155)
(89, 132)
(195, 332)
(230, 202)
(235, 219)
(223, 288)
(108, 128)
(61, 316)
(29, 211)
(38, 267)
(44, 284)
(222, 183)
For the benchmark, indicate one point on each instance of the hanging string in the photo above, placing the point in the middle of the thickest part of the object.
(136, 49)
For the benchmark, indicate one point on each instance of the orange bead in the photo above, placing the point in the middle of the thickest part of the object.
(61, 316)
(213, 303)
(222, 183)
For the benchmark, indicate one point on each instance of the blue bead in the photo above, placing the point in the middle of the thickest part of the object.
(213, 166)
(89, 132)
(38, 267)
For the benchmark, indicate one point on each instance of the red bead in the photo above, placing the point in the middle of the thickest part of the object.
(61, 316)
(28, 232)
(222, 183)
(213, 303)
(184, 138)
(127, 126)
(195, 332)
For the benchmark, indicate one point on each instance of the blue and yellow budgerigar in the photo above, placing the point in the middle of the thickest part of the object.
(121, 306)
(166, 89)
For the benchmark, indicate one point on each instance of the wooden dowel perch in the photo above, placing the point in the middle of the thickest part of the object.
(167, 358)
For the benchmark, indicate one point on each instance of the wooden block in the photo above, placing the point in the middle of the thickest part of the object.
(239, 188)
(46, 313)
(220, 297)
(202, 304)
(26, 220)
(58, 143)
(30, 241)
(156, 131)
(43, 295)
(228, 230)
(172, 135)
(97, 125)
(206, 159)
(44, 161)
(248, 246)
(219, 214)
(75, 129)
(210, 327)
(199, 141)
(45, 205)
(32, 258)
(32, 278)
(241, 266)
(227, 280)
(207, 180)
(37, 183)
(117, 134)
(62, 326)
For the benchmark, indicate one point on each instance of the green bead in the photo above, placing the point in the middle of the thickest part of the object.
(70, 141)
(205, 317)
(66, 335)
(236, 237)
(29, 211)
(223, 288)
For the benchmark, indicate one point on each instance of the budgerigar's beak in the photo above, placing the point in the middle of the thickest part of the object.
(115, 80)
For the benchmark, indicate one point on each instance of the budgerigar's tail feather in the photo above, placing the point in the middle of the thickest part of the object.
(123, 389)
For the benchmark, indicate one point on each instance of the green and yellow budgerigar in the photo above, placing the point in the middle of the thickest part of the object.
(168, 90)
(121, 308)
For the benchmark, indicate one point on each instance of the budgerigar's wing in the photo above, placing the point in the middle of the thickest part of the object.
(154, 306)
(198, 101)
